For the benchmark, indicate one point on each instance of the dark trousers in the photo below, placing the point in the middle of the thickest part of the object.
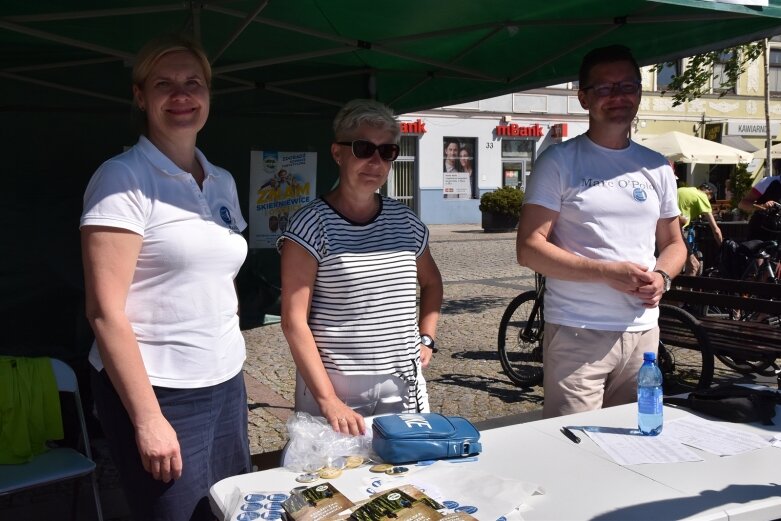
(211, 426)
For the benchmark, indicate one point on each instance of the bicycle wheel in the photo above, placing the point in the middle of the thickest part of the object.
(685, 355)
(521, 359)
(762, 367)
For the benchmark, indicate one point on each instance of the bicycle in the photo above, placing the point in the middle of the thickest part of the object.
(690, 236)
(685, 365)
(761, 260)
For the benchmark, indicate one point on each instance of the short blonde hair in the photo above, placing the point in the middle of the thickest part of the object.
(158, 47)
(149, 55)
(365, 111)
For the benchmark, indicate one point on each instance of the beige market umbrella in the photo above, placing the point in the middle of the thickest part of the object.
(683, 148)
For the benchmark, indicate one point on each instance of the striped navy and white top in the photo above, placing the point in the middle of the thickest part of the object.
(363, 314)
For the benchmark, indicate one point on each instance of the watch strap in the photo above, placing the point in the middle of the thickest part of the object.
(429, 342)
(667, 279)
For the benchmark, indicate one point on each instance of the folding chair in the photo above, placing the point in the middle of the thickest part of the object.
(58, 464)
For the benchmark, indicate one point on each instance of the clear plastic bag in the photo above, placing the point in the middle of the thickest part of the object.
(314, 444)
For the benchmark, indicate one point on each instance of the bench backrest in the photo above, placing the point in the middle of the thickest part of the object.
(728, 293)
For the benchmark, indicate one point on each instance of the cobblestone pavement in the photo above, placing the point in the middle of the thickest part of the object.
(480, 276)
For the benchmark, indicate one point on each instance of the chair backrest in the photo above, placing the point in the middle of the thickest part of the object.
(67, 382)
(66, 378)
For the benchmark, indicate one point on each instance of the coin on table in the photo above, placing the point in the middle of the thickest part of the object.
(353, 462)
(330, 473)
(307, 477)
(381, 467)
(397, 470)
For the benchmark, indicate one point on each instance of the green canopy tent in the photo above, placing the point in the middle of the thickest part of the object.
(282, 68)
(309, 56)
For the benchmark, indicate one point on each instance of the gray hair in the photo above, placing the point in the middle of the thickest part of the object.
(365, 112)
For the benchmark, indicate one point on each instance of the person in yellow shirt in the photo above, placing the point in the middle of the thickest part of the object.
(695, 203)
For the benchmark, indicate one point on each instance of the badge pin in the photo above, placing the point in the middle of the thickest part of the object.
(330, 473)
(307, 477)
(381, 467)
(353, 462)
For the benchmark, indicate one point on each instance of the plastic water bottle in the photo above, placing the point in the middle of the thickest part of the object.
(649, 396)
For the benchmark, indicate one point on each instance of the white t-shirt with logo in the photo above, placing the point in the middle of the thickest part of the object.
(609, 202)
(182, 302)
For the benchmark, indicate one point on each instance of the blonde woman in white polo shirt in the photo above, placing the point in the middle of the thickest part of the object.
(162, 244)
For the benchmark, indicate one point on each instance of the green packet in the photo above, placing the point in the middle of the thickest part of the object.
(403, 503)
(317, 503)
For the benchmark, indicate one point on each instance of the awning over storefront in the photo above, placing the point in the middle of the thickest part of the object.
(683, 148)
(739, 143)
(307, 57)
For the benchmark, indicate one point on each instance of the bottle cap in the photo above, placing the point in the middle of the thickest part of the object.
(649, 356)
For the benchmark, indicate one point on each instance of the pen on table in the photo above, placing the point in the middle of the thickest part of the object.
(569, 434)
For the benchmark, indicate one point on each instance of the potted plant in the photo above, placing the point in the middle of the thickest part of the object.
(501, 209)
(740, 183)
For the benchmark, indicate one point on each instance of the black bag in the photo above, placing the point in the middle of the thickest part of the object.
(772, 221)
(732, 263)
(731, 402)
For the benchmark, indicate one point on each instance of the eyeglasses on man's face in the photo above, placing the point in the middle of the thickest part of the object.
(620, 87)
(363, 149)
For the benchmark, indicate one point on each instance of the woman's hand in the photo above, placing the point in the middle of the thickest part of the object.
(158, 447)
(342, 418)
(426, 354)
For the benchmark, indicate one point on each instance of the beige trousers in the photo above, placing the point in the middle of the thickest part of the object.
(588, 369)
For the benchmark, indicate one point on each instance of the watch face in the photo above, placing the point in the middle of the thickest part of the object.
(426, 340)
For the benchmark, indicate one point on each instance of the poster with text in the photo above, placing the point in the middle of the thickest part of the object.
(280, 184)
(459, 167)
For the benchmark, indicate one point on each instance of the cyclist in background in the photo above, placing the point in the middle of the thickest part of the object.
(695, 203)
(759, 203)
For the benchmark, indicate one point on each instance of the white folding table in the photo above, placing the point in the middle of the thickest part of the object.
(582, 482)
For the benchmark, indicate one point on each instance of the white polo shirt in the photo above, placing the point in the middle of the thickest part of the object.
(182, 303)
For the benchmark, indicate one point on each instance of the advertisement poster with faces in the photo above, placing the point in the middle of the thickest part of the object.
(280, 183)
(459, 167)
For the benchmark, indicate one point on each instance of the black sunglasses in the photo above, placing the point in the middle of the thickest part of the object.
(363, 149)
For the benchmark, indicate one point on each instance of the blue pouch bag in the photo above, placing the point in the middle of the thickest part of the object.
(403, 438)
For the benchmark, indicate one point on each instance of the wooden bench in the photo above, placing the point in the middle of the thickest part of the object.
(752, 345)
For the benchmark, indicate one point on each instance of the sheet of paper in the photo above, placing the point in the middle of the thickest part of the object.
(482, 495)
(632, 448)
(714, 437)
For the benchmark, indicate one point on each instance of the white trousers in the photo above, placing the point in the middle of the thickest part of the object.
(368, 395)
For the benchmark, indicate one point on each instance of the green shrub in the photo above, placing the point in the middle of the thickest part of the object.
(506, 200)
(740, 182)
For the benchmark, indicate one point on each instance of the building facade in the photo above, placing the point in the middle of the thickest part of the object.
(451, 155)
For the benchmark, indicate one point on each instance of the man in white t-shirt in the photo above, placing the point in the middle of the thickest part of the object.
(596, 207)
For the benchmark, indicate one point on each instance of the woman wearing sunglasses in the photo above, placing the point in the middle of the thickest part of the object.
(351, 261)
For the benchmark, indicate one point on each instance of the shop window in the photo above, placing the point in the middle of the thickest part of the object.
(401, 181)
(517, 161)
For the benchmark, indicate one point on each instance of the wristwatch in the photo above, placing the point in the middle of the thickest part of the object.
(668, 282)
(429, 342)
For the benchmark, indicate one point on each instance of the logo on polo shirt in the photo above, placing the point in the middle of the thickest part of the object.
(639, 194)
(227, 218)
